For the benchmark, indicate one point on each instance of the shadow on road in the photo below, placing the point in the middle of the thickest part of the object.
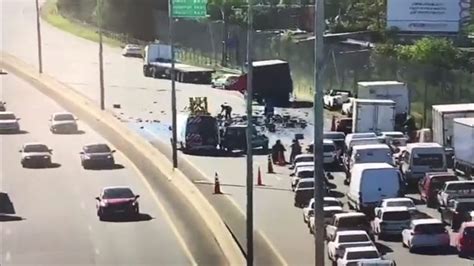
(222, 153)
(391, 238)
(142, 217)
(436, 251)
(10, 218)
(21, 132)
(102, 167)
(6, 205)
(78, 132)
(336, 194)
(51, 166)
(383, 249)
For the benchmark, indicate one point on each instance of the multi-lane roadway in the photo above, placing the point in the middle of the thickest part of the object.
(74, 61)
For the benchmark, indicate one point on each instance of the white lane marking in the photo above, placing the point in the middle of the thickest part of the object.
(8, 256)
(165, 213)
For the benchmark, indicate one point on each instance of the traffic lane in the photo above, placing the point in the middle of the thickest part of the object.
(58, 204)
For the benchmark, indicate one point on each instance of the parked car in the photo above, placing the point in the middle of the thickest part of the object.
(63, 122)
(221, 82)
(330, 153)
(420, 158)
(345, 239)
(348, 221)
(455, 189)
(132, 50)
(302, 158)
(457, 211)
(425, 233)
(431, 184)
(464, 241)
(328, 201)
(304, 191)
(301, 173)
(334, 99)
(97, 154)
(117, 201)
(396, 202)
(391, 221)
(35, 155)
(357, 254)
(329, 212)
(9, 122)
(344, 125)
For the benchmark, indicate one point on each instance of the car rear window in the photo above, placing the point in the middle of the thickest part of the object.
(306, 174)
(396, 216)
(328, 148)
(469, 232)
(404, 203)
(353, 221)
(305, 159)
(353, 238)
(328, 203)
(363, 255)
(458, 187)
(430, 229)
(329, 214)
(7, 117)
(465, 206)
(306, 184)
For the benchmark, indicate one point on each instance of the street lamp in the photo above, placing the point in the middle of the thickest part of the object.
(38, 32)
(101, 56)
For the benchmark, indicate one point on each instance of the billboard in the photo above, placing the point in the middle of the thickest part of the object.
(428, 15)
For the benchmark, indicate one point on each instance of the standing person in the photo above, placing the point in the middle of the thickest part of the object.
(410, 126)
(295, 150)
(227, 110)
(278, 150)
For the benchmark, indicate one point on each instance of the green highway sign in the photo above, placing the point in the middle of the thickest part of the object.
(189, 8)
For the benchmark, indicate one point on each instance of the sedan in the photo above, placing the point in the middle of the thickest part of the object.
(35, 155)
(132, 50)
(9, 122)
(117, 201)
(63, 123)
(97, 154)
(426, 233)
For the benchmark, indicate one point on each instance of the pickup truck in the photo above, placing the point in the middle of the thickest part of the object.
(356, 254)
(455, 189)
(334, 99)
(456, 212)
(345, 239)
(348, 221)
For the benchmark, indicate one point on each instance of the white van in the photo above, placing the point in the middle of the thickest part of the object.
(369, 153)
(197, 132)
(329, 152)
(353, 136)
(420, 158)
(354, 142)
(371, 183)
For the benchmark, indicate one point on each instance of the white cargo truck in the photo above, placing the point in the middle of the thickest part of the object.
(463, 144)
(386, 90)
(373, 116)
(442, 120)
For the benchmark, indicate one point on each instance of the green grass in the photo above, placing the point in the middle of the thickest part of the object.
(50, 13)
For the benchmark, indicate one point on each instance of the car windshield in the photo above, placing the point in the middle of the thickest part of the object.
(362, 255)
(434, 160)
(353, 238)
(305, 174)
(97, 148)
(304, 159)
(328, 148)
(396, 216)
(63, 117)
(465, 206)
(355, 221)
(305, 184)
(329, 214)
(460, 187)
(430, 229)
(438, 182)
(402, 203)
(328, 203)
(334, 136)
(36, 148)
(7, 117)
(205, 126)
(118, 193)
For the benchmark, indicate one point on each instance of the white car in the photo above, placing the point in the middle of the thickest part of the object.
(425, 233)
(225, 80)
(63, 122)
(335, 98)
(328, 201)
(391, 221)
(347, 107)
(302, 158)
(346, 239)
(329, 152)
(357, 254)
(329, 211)
(301, 173)
(395, 202)
(132, 50)
(35, 155)
(9, 122)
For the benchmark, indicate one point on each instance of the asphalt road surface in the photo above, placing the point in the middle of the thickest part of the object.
(74, 61)
(52, 217)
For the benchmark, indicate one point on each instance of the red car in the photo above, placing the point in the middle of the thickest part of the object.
(117, 201)
(430, 185)
(465, 239)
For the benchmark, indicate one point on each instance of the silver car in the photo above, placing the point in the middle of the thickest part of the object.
(35, 155)
(63, 123)
(9, 122)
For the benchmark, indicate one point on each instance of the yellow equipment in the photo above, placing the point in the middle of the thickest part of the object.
(198, 106)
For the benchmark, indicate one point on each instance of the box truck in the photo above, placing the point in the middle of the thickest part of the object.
(373, 116)
(442, 120)
(463, 144)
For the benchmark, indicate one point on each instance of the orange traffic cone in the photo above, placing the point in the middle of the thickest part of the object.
(217, 185)
(270, 165)
(281, 161)
(333, 123)
(259, 178)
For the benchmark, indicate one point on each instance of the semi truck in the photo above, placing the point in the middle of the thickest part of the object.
(373, 116)
(272, 83)
(463, 144)
(387, 90)
(157, 64)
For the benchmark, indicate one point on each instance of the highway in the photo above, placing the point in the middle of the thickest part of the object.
(54, 217)
(74, 61)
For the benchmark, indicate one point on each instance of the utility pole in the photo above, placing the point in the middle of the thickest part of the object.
(319, 28)
(249, 135)
(38, 32)
(101, 56)
(173, 85)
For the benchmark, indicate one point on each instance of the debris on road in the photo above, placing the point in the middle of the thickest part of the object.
(116, 106)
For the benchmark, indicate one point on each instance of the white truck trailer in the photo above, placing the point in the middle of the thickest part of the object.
(373, 116)
(463, 144)
(442, 120)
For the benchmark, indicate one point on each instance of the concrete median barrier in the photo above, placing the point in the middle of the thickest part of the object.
(196, 223)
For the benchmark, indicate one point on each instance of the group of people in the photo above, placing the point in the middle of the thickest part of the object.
(278, 151)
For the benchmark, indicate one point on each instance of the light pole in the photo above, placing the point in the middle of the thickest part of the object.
(38, 32)
(249, 134)
(173, 85)
(319, 27)
(101, 56)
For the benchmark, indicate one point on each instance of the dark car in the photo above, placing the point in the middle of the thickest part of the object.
(234, 138)
(117, 201)
(344, 125)
(431, 184)
(35, 155)
(457, 211)
(94, 155)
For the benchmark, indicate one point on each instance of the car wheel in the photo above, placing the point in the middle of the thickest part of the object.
(411, 249)
(85, 165)
(23, 164)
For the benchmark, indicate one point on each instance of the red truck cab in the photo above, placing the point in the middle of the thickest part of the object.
(430, 185)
